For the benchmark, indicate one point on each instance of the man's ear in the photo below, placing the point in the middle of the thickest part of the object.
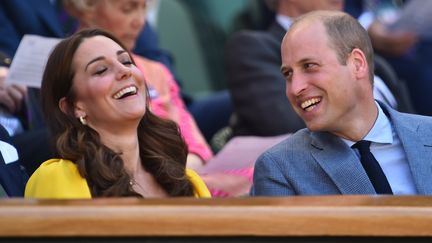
(359, 63)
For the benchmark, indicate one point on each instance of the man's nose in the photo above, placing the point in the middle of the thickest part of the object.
(297, 85)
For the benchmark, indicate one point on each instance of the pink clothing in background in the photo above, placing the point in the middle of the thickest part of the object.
(166, 103)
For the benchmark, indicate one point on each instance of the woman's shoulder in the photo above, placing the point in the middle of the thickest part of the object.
(57, 178)
(200, 188)
(56, 164)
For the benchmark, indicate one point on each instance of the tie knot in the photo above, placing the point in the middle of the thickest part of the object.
(362, 146)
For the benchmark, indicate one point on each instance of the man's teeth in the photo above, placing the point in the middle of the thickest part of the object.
(131, 89)
(310, 104)
(310, 108)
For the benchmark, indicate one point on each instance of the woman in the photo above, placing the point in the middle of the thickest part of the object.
(110, 144)
(125, 19)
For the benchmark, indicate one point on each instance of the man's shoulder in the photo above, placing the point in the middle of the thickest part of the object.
(416, 117)
(408, 118)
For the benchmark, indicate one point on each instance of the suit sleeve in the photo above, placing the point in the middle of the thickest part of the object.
(268, 179)
(10, 38)
(257, 86)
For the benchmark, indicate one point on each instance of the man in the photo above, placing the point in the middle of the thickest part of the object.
(254, 79)
(327, 61)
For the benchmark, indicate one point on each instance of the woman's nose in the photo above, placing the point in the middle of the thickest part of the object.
(124, 72)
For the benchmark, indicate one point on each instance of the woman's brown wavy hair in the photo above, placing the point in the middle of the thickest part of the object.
(162, 149)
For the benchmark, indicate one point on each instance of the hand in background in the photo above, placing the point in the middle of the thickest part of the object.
(394, 43)
(11, 96)
(194, 162)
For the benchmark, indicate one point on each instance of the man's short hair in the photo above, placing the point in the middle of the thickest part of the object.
(345, 33)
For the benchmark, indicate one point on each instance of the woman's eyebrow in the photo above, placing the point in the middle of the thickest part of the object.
(94, 60)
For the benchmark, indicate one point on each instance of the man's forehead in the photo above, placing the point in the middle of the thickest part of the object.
(306, 26)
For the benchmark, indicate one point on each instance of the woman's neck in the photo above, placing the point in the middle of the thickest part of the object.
(127, 145)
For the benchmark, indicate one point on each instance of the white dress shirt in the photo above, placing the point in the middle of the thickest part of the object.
(388, 151)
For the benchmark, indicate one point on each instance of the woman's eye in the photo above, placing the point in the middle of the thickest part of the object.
(127, 63)
(100, 71)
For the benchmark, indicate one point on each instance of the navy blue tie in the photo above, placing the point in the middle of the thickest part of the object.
(372, 168)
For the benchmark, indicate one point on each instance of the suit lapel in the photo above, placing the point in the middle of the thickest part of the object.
(417, 143)
(341, 164)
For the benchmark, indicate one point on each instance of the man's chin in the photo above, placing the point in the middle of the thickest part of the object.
(314, 126)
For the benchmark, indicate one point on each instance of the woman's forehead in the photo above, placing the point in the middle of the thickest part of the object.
(96, 46)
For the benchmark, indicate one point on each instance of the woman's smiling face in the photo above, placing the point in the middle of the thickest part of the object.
(109, 89)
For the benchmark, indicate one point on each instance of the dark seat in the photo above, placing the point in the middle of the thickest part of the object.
(396, 86)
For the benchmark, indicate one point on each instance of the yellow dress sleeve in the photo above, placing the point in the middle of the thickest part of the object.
(60, 179)
(57, 179)
(200, 188)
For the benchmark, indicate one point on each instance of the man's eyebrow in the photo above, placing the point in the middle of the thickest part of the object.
(306, 59)
(94, 60)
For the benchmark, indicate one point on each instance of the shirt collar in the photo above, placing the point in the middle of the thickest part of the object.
(284, 21)
(381, 131)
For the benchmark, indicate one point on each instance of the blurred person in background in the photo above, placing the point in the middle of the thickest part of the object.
(407, 49)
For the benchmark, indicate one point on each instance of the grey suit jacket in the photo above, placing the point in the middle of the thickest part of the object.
(316, 163)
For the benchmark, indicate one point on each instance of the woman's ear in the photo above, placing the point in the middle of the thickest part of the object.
(63, 105)
(79, 111)
(65, 108)
(360, 64)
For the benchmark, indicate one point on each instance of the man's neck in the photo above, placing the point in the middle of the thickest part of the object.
(356, 129)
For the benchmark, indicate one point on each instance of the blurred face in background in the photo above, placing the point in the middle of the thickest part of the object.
(123, 18)
(311, 5)
(294, 8)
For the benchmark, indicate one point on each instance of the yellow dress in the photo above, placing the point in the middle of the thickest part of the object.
(60, 179)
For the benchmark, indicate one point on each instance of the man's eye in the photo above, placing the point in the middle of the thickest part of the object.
(288, 75)
(309, 65)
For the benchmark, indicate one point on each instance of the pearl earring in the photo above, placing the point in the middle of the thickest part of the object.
(83, 120)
